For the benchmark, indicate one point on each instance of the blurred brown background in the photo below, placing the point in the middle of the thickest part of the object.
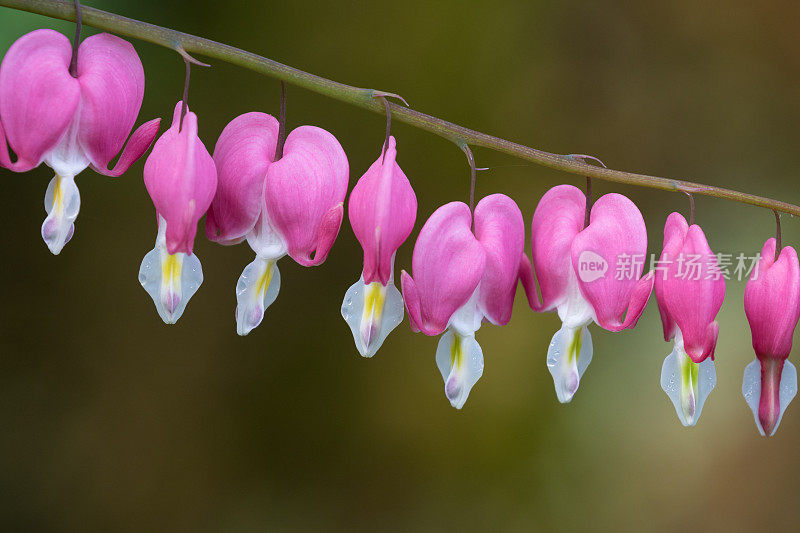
(113, 421)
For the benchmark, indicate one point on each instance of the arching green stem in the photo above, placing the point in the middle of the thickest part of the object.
(365, 98)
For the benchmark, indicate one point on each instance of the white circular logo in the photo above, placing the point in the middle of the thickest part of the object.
(591, 266)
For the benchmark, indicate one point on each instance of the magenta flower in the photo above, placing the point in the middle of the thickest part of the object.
(588, 274)
(71, 123)
(690, 290)
(460, 278)
(181, 178)
(382, 210)
(291, 206)
(772, 306)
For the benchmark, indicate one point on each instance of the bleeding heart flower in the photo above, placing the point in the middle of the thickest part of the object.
(772, 306)
(587, 274)
(291, 206)
(690, 289)
(181, 178)
(460, 278)
(71, 123)
(382, 210)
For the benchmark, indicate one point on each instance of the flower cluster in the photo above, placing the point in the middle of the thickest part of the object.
(285, 195)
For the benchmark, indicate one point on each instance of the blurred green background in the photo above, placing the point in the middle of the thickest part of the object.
(113, 421)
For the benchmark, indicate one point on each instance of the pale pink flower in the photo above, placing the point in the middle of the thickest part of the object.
(576, 267)
(181, 178)
(70, 123)
(772, 306)
(291, 206)
(382, 210)
(460, 278)
(690, 289)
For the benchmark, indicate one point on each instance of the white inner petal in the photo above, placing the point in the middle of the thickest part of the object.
(68, 158)
(467, 318)
(687, 383)
(372, 311)
(170, 279)
(568, 357)
(265, 241)
(574, 310)
(460, 361)
(458, 355)
(256, 290)
(260, 282)
(62, 201)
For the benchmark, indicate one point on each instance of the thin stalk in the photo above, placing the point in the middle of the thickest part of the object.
(365, 98)
(778, 235)
(473, 174)
(185, 99)
(691, 208)
(281, 124)
(588, 211)
(73, 64)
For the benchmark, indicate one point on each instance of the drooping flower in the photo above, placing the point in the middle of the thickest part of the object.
(588, 274)
(461, 278)
(71, 123)
(690, 289)
(291, 206)
(181, 178)
(772, 306)
(382, 210)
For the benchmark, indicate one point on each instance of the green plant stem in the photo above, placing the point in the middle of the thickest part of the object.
(368, 99)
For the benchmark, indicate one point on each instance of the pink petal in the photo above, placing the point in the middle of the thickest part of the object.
(675, 231)
(528, 280)
(689, 297)
(382, 210)
(447, 264)
(135, 148)
(639, 298)
(326, 235)
(244, 151)
(38, 97)
(558, 218)
(181, 178)
(112, 87)
(412, 301)
(712, 332)
(303, 186)
(709, 296)
(617, 234)
(772, 301)
(500, 229)
(5, 161)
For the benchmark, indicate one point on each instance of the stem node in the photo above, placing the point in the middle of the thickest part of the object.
(384, 95)
(188, 58)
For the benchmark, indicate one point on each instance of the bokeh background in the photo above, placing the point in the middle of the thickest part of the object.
(112, 421)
